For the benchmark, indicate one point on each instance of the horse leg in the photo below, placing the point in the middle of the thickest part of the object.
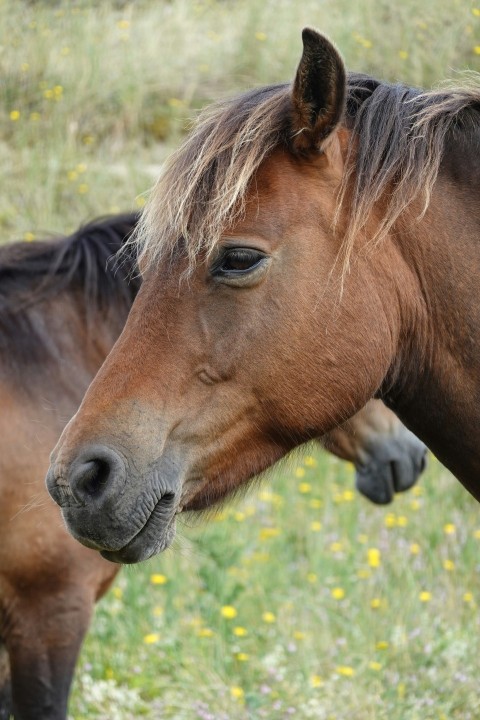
(6, 709)
(43, 643)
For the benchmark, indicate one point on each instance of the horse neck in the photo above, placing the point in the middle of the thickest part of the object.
(439, 398)
(74, 344)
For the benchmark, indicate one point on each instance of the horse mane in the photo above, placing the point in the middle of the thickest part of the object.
(397, 141)
(80, 264)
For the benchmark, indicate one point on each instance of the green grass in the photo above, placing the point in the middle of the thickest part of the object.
(93, 97)
(346, 610)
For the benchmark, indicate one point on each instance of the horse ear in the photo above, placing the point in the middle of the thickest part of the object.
(318, 93)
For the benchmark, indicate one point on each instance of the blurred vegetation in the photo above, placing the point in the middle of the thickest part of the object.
(93, 95)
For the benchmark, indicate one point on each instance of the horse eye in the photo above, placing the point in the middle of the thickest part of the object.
(237, 261)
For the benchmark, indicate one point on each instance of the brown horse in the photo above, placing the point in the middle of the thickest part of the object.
(62, 306)
(61, 310)
(309, 247)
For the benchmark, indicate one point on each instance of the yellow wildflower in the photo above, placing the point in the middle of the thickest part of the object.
(345, 670)
(268, 617)
(315, 526)
(237, 693)
(390, 520)
(338, 593)
(15, 115)
(267, 533)
(205, 632)
(373, 555)
(449, 529)
(425, 596)
(151, 638)
(158, 579)
(315, 681)
(240, 631)
(228, 612)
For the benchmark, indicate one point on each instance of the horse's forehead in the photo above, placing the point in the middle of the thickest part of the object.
(282, 172)
(285, 188)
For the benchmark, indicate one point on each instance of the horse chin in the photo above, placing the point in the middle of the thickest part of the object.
(376, 485)
(144, 545)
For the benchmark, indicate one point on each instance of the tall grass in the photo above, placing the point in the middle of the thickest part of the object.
(304, 601)
(93, 95)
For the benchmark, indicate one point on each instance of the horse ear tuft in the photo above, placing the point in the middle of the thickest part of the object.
(319, 91)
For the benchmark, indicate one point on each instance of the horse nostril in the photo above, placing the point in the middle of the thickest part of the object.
(94, 472)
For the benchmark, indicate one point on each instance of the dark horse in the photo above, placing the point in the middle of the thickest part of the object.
(61, 309)
(310, 246)
(62, 306)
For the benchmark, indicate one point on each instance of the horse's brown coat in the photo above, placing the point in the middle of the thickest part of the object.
(229, 369)
(60, 312)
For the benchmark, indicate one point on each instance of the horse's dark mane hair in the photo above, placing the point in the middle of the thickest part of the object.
(81, 264)
(398, 138)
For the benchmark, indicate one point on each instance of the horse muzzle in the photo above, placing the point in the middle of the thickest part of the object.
(127, 516)
(393, 467)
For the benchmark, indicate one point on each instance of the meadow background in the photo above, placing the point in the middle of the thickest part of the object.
(303, 600)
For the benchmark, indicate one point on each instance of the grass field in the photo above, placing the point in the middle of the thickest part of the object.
(302, 601)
